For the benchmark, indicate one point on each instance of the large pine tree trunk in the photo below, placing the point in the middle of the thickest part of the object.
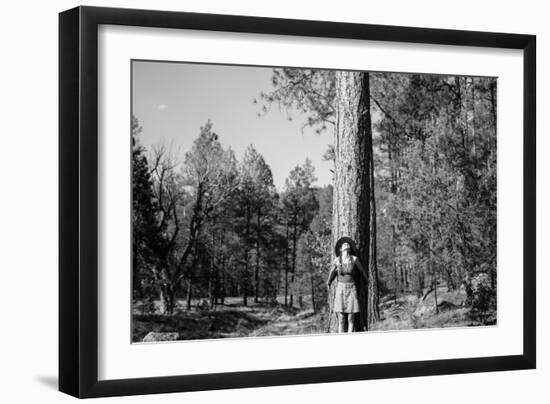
(354, 212)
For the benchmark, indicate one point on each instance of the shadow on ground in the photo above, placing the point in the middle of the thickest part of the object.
(48, 381)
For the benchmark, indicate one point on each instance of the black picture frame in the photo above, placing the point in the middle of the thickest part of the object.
(78, 201)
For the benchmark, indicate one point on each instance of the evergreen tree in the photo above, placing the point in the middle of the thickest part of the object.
(147, 236)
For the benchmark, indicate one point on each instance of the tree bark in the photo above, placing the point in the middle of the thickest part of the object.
(222, 281)
(433, 271)
(401, 279)
(167, 297)
(396, 283)
(245, 258)
(286, 265)
(354, 211)
(189, 293)
(420, 278)
(257, 269)
(293, 268)
(212, 279)
(472, 120)
(432, 227)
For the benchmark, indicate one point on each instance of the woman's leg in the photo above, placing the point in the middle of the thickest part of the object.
(351, 322)
(341, 322)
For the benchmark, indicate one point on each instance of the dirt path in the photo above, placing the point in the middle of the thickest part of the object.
(231, 321)
(305, 322)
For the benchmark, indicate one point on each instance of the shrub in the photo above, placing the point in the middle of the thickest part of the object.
(481, 296)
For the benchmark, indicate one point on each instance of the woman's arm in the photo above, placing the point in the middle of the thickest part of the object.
(361, 269)
(332, 274)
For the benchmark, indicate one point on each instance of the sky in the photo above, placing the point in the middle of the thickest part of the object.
(173, 100)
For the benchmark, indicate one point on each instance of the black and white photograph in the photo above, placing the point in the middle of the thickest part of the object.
(277, 201)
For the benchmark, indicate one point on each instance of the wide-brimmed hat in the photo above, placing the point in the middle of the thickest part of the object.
(343, 240)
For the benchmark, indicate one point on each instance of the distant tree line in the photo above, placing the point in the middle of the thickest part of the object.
(436, 183)
(213, 227)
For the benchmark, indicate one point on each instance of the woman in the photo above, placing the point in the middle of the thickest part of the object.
(348, 270)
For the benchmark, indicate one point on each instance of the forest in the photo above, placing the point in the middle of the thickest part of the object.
(219, 251)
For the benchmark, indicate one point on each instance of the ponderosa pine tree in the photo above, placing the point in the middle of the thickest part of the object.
(354, 208)
(299, 204)
(339, 102)
(254, 202)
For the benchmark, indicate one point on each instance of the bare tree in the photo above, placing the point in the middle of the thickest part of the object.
(187, 198)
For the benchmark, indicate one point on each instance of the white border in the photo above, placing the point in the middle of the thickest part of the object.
(118, 358)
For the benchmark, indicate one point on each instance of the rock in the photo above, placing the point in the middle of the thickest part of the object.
(161, 336)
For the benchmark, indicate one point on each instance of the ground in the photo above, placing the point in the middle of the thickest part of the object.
(261, 319)
(231, 320)
(408, 311)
